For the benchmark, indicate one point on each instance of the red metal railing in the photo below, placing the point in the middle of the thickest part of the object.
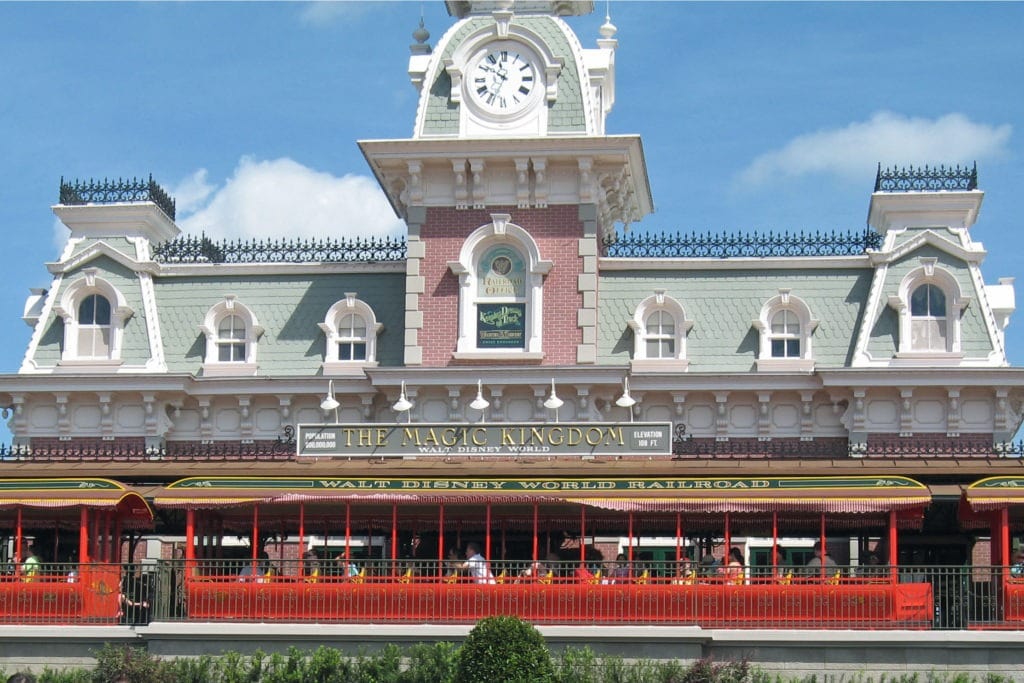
(424, 592)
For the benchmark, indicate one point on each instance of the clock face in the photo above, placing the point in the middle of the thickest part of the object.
(502, 81)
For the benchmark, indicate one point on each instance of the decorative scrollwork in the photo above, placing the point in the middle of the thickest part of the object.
(286, 442)
(926, 179)
(114, 191)
(725, 245)
(204, 250)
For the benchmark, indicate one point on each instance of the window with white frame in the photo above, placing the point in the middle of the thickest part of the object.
(94, 314)
(928, 319)
(501, 284)
(94, 329)
(929, 304)
(351, 331)
(659, 327)
(231, 337)
(785, 334)
(785, 327)
(232, 333)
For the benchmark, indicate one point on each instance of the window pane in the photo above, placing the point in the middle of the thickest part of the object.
(936, 302)
(778, 348)
(231, 327)
(231, 353)
(668, 348)
(653, 348)
(344, 351)
(359, 351)
(792, 348)
(94, 342)
(928, 335)
(94, 310)
(919, 301)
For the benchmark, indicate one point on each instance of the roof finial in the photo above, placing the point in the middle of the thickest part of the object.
(421, 35)
(608, 29)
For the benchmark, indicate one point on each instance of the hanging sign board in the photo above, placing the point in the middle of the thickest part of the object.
(584, 438)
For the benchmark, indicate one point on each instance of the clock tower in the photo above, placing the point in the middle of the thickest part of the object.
(508, 186)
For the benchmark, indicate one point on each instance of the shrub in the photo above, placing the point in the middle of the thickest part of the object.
(431, 663)
(504, 649)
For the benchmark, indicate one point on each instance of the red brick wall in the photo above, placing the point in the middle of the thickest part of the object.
(556, 230)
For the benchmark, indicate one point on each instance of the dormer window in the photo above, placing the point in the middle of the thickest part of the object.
(659, 327)
(94, 314)
(231, 336)
(94, 330)
(928, 319)
(785, 334)
(351, 331)
(352, 338)
(785, 326)
(929, 305)
(231, 332)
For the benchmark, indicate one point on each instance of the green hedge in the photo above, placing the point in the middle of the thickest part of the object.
(497, 650)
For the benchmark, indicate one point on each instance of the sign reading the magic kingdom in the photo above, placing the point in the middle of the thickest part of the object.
(585, 438)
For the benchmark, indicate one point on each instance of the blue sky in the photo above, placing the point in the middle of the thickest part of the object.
(754, 116)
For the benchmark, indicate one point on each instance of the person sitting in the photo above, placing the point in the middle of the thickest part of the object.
(710, 567)
(619, 571)
(346, 567)
(1017, 568)
(734, 569)
(684, 573)
(30, 565)
(821, 561)
(476, 565)
(311, 566)
(583, 575)
(535, 571)
(258, 569)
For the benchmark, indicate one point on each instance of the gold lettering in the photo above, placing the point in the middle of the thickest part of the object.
(479, 436)
(556, 436)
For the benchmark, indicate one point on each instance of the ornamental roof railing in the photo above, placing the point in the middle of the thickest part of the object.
(910, 179)
(204, 250)
(739, 245)
(683, 448)
(116, 191)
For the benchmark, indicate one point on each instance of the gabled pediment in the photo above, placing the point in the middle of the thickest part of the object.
(928, 238)
(97, 250)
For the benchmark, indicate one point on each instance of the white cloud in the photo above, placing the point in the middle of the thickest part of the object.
(327, 12)
(282, 198)
(191, 192)
(854, 152)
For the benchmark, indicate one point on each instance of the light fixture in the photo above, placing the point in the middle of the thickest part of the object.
(626, 401)
(330, 403)
(403, 404)
(480, 403)
(553, 402)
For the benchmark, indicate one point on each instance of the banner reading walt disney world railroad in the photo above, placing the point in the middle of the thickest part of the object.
(588, 438)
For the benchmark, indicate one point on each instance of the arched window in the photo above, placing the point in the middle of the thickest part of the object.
(929, 305)
(501, 285)
(231, 336)
(94, 314)
(659, 327)
(785, 326)
(231, 331)
(94, 330)
(928, 319)
(351, 330)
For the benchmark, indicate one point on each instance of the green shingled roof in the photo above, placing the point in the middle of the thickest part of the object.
(289, 307)
(723, 305)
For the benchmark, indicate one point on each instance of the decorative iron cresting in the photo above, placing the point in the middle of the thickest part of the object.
(684, 447)
(739, 245)
(927, 179)
(116, 191)
(359, 250)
